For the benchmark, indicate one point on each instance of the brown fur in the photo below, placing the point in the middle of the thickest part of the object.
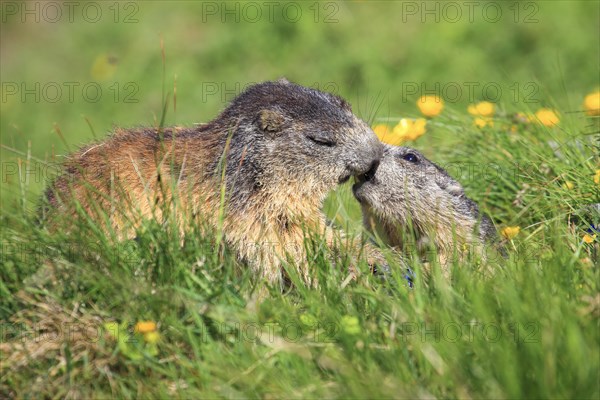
(276, 151)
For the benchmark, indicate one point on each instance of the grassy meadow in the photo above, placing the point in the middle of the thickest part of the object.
(505, 112)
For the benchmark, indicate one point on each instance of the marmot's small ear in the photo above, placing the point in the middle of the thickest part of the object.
(270, 121)
(283, 80)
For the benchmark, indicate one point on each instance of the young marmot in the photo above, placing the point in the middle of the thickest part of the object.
(409, 191)
(259, 173)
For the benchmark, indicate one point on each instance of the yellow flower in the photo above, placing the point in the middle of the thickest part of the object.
(104, 67)
(145, 326)
(547, 117)
(483, 122)
(568, 185)
(482, 109)
(406, 129)
(589, 238)
(152, 337)
(430, 105)
(591, 103)
(510, 231)
(597, 177)
(381, 130)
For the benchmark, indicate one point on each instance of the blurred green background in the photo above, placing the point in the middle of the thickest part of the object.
(106, 60)
(84, 67)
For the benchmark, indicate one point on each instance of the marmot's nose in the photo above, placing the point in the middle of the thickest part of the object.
(366, 156)
(368, 160)
(366, 170)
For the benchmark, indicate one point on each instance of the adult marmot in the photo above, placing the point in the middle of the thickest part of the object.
(259, 173)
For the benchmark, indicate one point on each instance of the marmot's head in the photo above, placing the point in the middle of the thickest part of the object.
(291, 133)
(407, 187)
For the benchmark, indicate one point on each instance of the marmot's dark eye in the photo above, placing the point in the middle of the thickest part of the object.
(411, 157)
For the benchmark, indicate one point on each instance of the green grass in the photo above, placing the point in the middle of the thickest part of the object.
(527, 329)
